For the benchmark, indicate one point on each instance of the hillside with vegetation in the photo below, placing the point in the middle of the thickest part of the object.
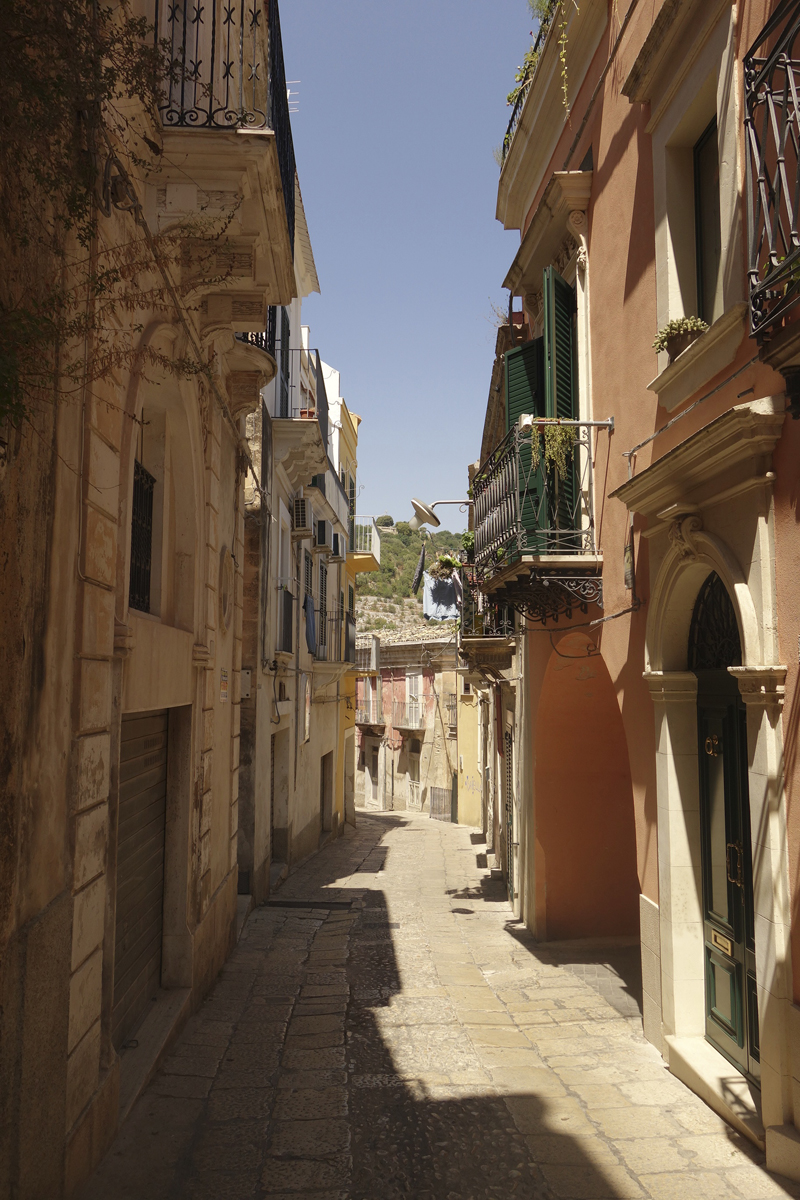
(400, 548)
(384, 603)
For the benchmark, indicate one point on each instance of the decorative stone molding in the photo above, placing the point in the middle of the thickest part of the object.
(730, 452)
(534, 303)
(566, 252)
(202, 657)
(671, 686)
(124, 639)
(555, 233)
(684, 524)
(765, 686)
(244, 391)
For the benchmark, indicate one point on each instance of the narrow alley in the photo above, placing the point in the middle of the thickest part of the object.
(386, 1029)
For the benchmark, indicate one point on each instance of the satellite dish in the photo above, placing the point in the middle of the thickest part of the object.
(423, 515)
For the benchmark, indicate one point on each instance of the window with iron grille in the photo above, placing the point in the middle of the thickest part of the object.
(272, 323)
(322, 635)
(309, 574)
(141, 538)
(283, 372)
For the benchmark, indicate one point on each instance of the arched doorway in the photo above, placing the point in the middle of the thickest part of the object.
(726, 856)
(586, 878)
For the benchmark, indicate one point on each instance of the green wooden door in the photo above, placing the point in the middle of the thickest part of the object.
(730, 967)
(561, 400)
(726, 856)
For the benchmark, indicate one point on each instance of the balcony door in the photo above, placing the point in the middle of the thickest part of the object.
(541, 380)
(413, 698)
(727, 870)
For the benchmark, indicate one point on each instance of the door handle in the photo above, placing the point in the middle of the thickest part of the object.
(712, 746)
(738, 880)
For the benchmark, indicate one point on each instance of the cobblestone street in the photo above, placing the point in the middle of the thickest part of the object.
(385, 1029)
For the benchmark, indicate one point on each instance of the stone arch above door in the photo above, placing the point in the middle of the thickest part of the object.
(693, 555)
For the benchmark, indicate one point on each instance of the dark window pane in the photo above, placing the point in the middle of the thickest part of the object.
(707, 225)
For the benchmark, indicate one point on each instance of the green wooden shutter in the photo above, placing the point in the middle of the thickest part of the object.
(525, 393)
(525, 381)
(561, 394)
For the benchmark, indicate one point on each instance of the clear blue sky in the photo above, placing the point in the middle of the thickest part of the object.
(400, 105)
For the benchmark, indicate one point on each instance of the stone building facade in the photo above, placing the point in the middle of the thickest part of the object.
(654, 777)
(407, 721)
(123, 521)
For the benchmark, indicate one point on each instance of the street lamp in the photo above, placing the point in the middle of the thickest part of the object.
(424, 514)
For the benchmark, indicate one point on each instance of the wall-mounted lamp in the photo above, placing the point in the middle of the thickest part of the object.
(424, 514)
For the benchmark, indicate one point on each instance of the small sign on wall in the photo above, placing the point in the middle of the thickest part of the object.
(223, 686)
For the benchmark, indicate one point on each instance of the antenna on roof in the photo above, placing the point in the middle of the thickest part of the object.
(294, 105)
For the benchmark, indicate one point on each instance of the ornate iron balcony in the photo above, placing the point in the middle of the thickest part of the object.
(772, 133)
(481, 617)
(227, 72)
(535, 542)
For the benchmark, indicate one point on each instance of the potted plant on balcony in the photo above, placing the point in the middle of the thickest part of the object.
(444, 566)
(677, 335)
(468, 545)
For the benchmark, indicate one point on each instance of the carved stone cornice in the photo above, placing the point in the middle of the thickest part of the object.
(555, 232)
(732, 451)
(763, 685)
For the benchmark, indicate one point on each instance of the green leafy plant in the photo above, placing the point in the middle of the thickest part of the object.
(468, 540)
(554, 447)
(676, 327)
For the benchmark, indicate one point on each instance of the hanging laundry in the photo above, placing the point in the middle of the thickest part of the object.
(418, 572)
(311, 632)
(439, 599)
(459, 586)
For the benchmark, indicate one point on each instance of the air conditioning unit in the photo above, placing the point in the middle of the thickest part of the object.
(338, 547)
(302, 519)
(322, 537)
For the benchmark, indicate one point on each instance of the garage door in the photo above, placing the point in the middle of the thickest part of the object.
(140, 868)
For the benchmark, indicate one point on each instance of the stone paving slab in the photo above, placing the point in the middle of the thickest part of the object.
(418, 1043)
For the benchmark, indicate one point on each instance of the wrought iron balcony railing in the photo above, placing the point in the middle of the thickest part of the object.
(524, 508)
(336, 638)
(519, 103)
(370, 714)
(412, 715)
(482, 618)
(772, 132)
(226, 71)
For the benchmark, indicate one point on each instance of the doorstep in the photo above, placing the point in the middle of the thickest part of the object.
(703, 1069)
(154, 1037)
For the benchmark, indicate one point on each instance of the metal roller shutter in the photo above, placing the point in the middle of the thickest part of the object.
(140, 868)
